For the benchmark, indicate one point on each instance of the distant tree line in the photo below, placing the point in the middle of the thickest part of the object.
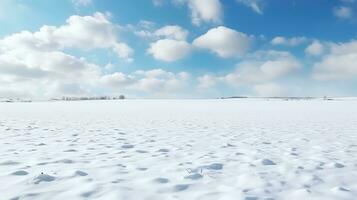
(93, 98)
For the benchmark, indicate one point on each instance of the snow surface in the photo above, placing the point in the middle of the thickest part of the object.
(179, 149)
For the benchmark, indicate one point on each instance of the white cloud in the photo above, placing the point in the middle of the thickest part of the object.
(44, 74)
(255, 5)
(160, 85)
(224, 42)
(269, 90)
(257, 72)
(53, 74)
(117, 80)
(294, 41)
(82, 2)
(253, 71)
(10, 67)
(144, 34)
(154, 81)
(48, 74)
(83, 32)
(204, 11)
(169, 42)
(55, 64)
(338, 64)
(344, 48)
(144, 29)
(14, 92)
(336, 67)
(169, 50)
(123, 51)
(146, 24)
(315, 49)
(207, 81)
(172, 32)
(86, 32)
(34, 63)
(343, 12)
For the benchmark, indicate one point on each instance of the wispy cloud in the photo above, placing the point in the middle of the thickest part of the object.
(255, 5)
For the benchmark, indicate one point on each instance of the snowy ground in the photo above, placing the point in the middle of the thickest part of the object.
(179, 149)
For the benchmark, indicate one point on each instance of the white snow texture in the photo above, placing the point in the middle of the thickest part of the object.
(179, 149)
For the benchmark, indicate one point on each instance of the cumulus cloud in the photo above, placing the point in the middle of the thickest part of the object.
(336, 67)
(117, 80)
(147, 30)
(12, 68)
(338, 64)
(169, 50)
(207, 81)
(204, 11)
(258, 72)
(143, 29)
(123, 51)
(52, 74)
(343, 12)
(224, 42)
(172, 32)
(35, 63)
(56, 63)
(269, 90)
(53, 78)
(255, 5)
(315, 49)
(45, 71)
(251, 72)
(155, 81)
(168, 42)
(294, 41)
(160, 81)
(83, 32)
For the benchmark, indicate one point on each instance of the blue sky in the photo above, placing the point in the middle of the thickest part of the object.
(178, 48)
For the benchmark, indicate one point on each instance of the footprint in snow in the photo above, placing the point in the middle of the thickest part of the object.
(195, 176)
(339, 165)
(341, 189)
(127, 146)
(9, 162)
(142, 168)
(181, 187)
(268, 162)
(20, 173)
(70, 150)
(141, 151)
(80, 173)
(164, 150)
(161, 180)
(215, 166)
(43, 178)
